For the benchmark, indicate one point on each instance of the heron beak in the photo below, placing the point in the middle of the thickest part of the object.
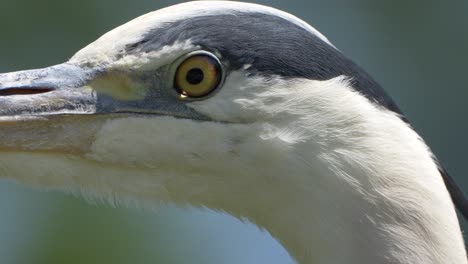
(47, 110)
(50, 91)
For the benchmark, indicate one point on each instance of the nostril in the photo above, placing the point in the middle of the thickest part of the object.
(24, 91)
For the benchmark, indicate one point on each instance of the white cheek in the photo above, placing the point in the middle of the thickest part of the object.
(234, 101)
(164, 141)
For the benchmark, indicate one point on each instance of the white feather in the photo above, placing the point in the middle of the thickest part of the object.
(332, 176)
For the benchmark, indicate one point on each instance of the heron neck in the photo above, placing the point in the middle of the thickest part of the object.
(323, 211)
(370, 195)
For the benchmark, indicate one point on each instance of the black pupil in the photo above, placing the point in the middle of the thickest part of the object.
(195, 76)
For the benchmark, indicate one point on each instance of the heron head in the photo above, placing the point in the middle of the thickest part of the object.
(194, 103)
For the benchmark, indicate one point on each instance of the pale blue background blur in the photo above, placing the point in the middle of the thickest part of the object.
(416, 49)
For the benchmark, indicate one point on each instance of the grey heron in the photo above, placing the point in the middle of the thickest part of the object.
(238, 108)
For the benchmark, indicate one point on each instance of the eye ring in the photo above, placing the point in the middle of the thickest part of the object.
(197, 75)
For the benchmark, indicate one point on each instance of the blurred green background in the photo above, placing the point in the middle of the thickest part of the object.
(416, 49)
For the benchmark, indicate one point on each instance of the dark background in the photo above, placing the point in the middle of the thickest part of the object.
(416, 49)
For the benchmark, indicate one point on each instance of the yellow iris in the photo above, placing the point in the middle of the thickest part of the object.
(197, 76)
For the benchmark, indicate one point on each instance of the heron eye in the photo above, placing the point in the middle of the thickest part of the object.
(198, 76)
